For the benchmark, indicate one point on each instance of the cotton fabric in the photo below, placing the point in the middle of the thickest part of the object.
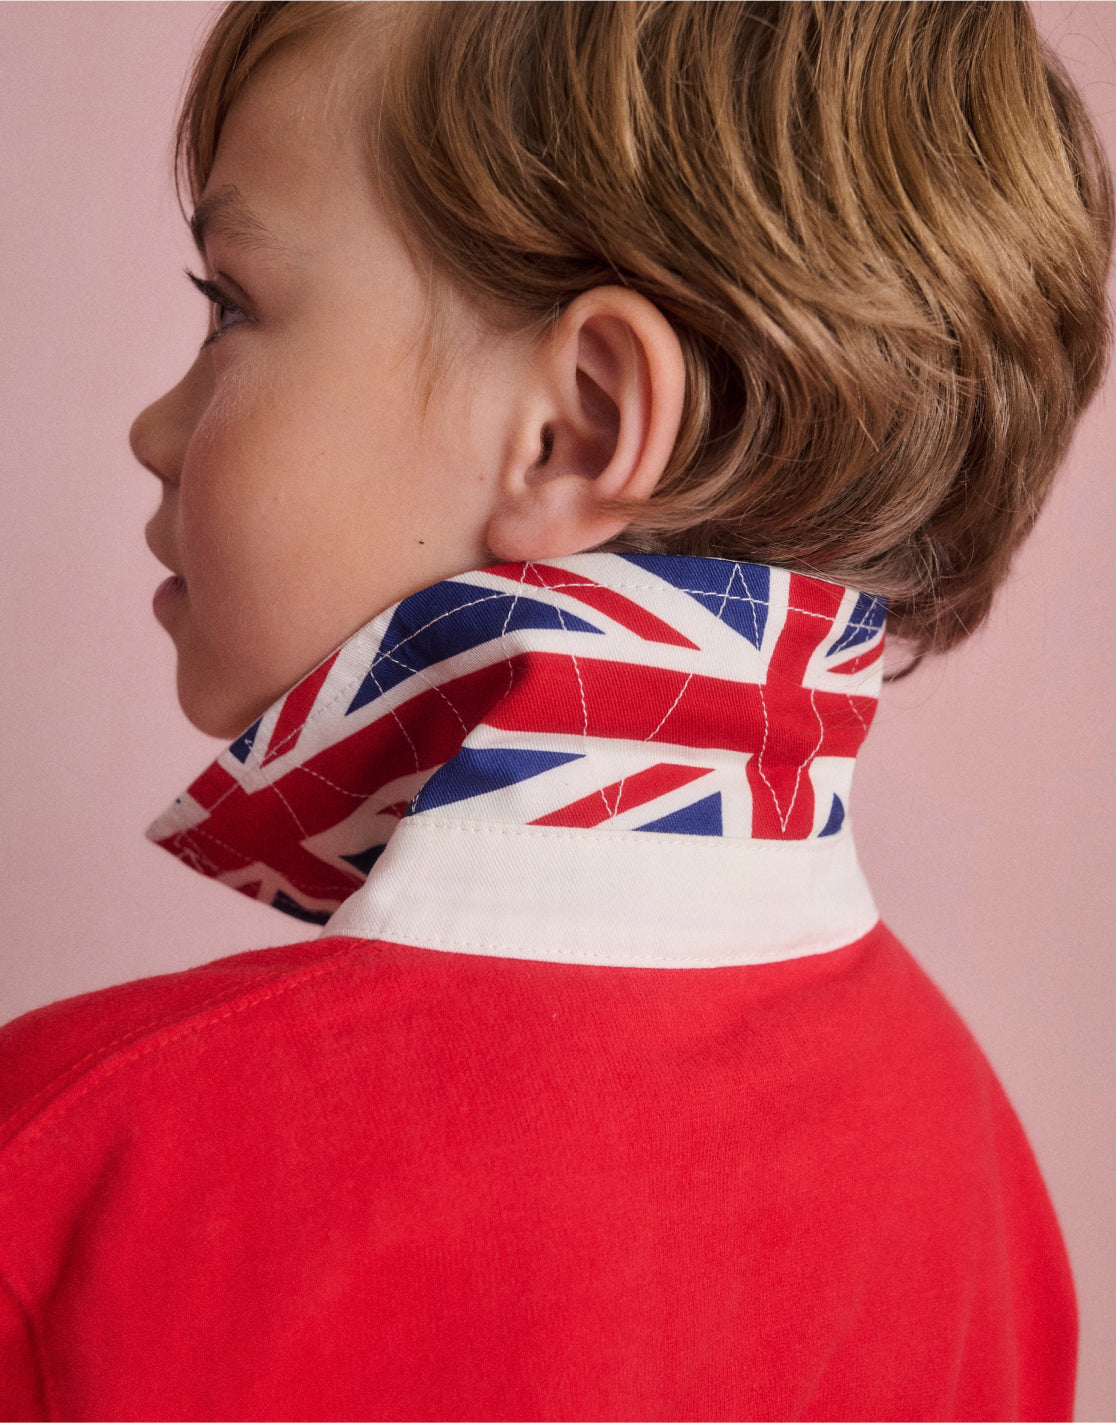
(543, 1175)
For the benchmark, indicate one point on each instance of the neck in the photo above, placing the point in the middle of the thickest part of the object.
(536, 744)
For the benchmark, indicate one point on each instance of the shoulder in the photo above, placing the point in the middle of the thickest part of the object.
(48, 1053)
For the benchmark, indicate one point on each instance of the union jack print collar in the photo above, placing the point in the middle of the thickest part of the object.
(635, 759)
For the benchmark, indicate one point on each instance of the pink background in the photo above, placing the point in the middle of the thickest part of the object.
(986, 799)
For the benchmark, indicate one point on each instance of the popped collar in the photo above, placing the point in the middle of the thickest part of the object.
(637, 760)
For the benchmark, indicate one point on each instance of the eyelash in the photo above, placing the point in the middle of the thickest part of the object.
(220, 299)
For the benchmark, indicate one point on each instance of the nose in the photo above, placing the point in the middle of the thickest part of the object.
(160, 434)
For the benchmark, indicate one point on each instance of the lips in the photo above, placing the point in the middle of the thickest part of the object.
(168, 596)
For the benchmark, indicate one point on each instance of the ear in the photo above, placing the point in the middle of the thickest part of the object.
(602, 403)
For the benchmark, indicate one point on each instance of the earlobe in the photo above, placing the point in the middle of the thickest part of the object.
(603, 403)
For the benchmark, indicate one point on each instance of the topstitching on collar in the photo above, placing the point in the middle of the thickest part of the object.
(642, 698)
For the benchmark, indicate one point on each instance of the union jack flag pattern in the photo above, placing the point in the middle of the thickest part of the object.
(644, 693)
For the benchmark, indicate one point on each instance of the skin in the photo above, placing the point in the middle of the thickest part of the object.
(309, 478)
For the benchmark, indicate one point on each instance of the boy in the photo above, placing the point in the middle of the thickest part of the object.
(605, 1093)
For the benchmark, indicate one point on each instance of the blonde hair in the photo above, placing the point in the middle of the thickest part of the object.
(880, 230)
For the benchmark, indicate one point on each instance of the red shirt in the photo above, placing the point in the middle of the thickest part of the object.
(605, 1095)
(354, 1180)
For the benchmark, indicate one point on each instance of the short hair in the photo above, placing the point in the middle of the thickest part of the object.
(881, 232)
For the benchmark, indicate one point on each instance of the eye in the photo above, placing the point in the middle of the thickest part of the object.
(224, 308)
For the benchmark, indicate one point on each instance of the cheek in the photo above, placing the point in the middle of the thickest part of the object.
(271, 586)
(232, 484)
(305, 508)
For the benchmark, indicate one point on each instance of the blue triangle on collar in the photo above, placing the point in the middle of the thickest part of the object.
(449, 618)
(472, 773)
(701, 818)
(737, 593)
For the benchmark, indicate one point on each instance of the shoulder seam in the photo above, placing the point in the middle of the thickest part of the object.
(113, 1057)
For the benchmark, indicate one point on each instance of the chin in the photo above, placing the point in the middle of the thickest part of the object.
(215, 714)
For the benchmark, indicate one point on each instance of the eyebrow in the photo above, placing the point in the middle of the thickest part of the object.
(225, 214)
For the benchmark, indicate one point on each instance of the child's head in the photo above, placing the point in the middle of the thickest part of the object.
(878, 235)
